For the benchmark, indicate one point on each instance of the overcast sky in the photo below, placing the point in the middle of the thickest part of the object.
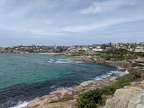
(70, 22)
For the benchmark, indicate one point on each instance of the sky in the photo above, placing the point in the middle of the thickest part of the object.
(70, 22)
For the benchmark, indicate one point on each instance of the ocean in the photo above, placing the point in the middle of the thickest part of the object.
(24, 77)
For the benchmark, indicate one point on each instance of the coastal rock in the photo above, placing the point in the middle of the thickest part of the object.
(125, 64)
(137, 101)
(131, 96)
(137, 71)
(49, 101)
(92, 84)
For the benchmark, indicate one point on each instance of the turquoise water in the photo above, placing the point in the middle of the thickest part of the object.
(26, 76)
(30, 68)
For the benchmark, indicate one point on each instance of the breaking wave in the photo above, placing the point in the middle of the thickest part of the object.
(62, 61)
(115, 73)
(21, 104)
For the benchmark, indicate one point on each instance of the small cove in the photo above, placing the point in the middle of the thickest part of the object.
(26, 76)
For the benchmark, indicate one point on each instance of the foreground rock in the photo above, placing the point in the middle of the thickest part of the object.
(66, 98)
(137, 101)
(128, 97)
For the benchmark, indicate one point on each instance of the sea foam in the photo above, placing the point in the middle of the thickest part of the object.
(116, 73)
(59, 61)
(21, 104)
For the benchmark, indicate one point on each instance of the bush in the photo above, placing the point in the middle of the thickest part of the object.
(90, 98)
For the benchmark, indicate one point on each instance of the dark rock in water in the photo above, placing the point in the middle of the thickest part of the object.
(122, 70)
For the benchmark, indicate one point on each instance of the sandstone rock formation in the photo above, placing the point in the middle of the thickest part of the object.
(128, 97)
(137, 101)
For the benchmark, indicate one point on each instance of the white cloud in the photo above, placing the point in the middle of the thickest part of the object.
(47, 33)
(49, 22)
(97, 7)
(48, 19)
(94, 8)
(108, 6)
(103, 24)
(17, 29)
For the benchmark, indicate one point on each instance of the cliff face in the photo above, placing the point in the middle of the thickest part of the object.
(131, 96)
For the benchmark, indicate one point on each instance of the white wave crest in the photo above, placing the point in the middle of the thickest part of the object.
(21, 104)
(116, 73)
(63, 61)
(101, 77)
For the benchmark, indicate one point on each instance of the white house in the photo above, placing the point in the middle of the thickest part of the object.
(139, 49)
(85, 49)
(98, 49)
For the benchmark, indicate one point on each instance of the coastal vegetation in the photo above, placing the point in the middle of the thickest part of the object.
(97, 98)
(112, 54)
(80, 53)
(119, 54)
(34, 49)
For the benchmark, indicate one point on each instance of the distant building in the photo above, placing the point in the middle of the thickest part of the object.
(85, 49)
(131, 48)
(139, 49)
(98, 49)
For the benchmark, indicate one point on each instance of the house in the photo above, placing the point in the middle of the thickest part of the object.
(85, 49)
(139, 49)
(131, 48)
(98, 49)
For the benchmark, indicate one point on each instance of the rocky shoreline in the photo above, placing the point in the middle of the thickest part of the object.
(67, 98)
(124, 64)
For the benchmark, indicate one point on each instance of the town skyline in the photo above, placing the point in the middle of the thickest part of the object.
(70, 22)
(132, 47)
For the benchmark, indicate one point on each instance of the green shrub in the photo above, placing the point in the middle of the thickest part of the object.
(89, 99)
